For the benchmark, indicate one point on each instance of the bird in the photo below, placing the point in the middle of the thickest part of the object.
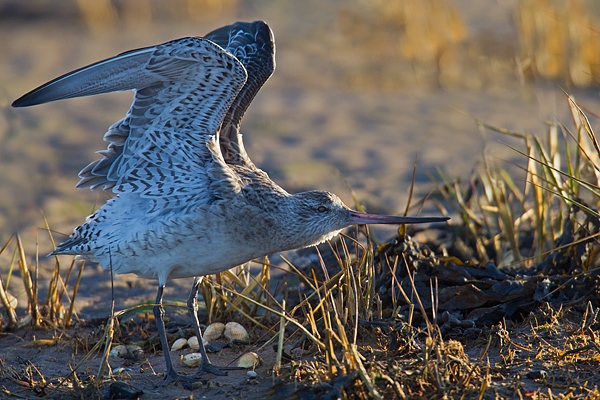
(188, 200)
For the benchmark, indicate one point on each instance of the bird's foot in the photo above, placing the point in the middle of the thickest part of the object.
(192, 382)
(208, 368)
(172, 377)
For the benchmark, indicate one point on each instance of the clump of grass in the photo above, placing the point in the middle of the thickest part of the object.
(57, 309)
(521, 223)
(220, 292)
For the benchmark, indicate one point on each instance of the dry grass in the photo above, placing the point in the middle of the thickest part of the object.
(561, 189)
(558, 40)
(334, 333)
(57, 309)
(555, 40)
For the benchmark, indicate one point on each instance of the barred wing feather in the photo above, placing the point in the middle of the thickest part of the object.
(166, 146)
(252, 43)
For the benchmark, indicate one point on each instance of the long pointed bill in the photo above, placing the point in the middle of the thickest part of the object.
(358, 218)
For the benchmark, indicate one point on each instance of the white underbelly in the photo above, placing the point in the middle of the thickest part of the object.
(188, 257)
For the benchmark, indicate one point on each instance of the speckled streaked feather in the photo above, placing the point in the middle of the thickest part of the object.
(253, 45)
(183, 88)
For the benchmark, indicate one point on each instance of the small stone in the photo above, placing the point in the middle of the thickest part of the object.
(193, 343)
(537, 374)
(192, 359)
(134, 350)
(122, 390)
(235, 332)
(251, 375)
(118, 351)
(213, 332)
(249, 360)
(215, 347)
(179, 344)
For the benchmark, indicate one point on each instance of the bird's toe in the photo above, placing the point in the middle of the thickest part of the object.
(208, 368)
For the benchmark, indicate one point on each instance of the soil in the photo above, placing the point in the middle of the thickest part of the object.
(49, 364)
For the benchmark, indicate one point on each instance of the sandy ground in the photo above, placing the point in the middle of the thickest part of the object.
(307, 128)
(144, 373)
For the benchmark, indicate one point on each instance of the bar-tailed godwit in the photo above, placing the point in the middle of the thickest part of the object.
(189, 201)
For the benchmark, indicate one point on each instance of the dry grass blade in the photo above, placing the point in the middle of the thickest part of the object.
(9, 305)
(582, 122)
(505, 213)
(402, 228)
(430, 327)
(595, 189)
(357, 205)
(281, 337)
(71, 310)
(28, 283)
(109, 332)
(503, 131)
(469, 218)
(5, 297)
(362, 372)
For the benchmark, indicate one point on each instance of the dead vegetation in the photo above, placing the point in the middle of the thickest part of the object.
(502, 303)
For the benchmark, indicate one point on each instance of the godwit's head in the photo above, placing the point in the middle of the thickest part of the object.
(317, 216)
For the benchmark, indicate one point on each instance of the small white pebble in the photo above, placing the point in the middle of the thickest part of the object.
(193, 343)
(134, 350)
(235, 332)
(249, 360)
(251, 375)
(213, 332)
(192, 359)
(118, 351)
(179, 344)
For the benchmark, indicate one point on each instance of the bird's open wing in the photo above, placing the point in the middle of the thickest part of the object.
(253, 45)
(166, 147)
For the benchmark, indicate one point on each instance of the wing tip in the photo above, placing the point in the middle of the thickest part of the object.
(24, 101)
(40, 95)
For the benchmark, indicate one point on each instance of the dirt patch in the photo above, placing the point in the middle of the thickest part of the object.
(36, 362)
(551, 351)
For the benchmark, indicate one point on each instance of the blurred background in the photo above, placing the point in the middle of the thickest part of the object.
(361, 88)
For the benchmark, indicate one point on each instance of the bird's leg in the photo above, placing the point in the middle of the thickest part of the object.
(205, 365)
(159, 313)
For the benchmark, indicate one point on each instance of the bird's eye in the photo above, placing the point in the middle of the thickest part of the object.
(322, 209)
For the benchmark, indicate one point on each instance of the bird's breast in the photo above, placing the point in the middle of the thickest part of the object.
(208, 240)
